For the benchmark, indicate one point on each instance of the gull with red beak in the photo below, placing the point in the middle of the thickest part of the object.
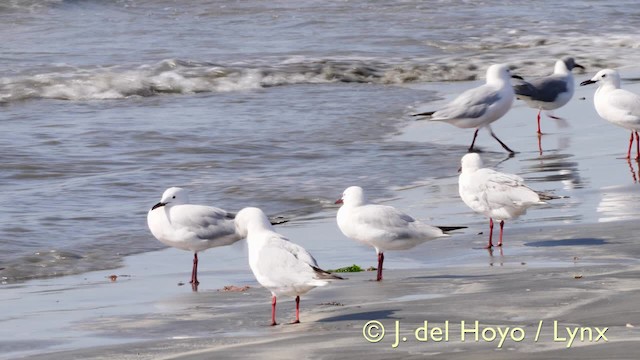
(618, 106)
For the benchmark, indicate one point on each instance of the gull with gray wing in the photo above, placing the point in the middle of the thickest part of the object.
(479, 107)
(618, 106)
(284, 268)
(382, 227)
(549, 92)
(494, 194)
(175, 222)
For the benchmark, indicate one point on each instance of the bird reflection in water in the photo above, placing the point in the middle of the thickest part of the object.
(500, 259)
(635, 175)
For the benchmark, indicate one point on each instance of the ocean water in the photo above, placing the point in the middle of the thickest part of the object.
(278, 104)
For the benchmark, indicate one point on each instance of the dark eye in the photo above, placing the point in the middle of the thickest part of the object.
(173, 197)
(604, 75)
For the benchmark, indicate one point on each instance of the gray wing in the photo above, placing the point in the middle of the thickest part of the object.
(627, 103)
(501, 189)
(544, 89)
(285, 263)
(298, 252)
(383, 216)
(470, 104)
(205, 223)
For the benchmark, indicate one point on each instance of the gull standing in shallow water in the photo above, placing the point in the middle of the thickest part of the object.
(480, 106)
(175, 222)
(549, 92)
(279, 265)
(383, 227)
(494, 194)
(618, 106)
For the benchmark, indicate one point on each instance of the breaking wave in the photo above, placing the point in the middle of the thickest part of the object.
(188, 77)
(176, 76)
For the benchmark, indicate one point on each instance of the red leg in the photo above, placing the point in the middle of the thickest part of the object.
(380, 261)
(194, 270)
(475, 135)
(630, 145)
(637, 146)
(490, 234)
(273, 311)
(539, 131)
(501, 227)
(297, 311)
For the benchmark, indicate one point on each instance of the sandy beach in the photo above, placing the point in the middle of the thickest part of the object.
(564, 288)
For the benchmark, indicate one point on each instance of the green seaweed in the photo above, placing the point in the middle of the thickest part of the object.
(348, 269)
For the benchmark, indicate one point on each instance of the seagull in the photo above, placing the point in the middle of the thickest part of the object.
(480, 106)
(175, 222)
(618, 106)
(494, 194)
(383, 227)
(279, 265)
(549, 92)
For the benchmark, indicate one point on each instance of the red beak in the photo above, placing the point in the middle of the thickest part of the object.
(339, 201)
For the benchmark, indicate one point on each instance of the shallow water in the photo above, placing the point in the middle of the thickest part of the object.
(279, 105)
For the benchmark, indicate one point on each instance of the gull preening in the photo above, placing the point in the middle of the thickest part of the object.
(175, 222)
(382, 227)
(284, 268)
(494, 194)
(616, 105)
(549, 92)
(479, 107)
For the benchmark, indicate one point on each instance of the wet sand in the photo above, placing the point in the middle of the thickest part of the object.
(574, 261)
(582, 276)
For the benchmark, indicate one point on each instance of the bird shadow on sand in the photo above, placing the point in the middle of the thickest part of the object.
(568, 242)
(363, 316)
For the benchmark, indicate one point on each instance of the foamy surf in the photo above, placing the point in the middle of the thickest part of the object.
(177, 76)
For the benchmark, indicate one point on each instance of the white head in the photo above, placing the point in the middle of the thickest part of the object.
(352, 196)
(604, 77)
(251, 218)
(498, 73)
(471, 162)
(173, 196)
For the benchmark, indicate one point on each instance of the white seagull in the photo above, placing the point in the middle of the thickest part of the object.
(494, 194)
(480, 106)
(190, 227)
(279, 265)
(618, 106)
(383, 227)
(549, 92)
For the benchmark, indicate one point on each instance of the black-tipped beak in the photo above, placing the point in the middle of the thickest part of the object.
(517, 77)
(587, 82)
(578, 66)
(158, 205)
